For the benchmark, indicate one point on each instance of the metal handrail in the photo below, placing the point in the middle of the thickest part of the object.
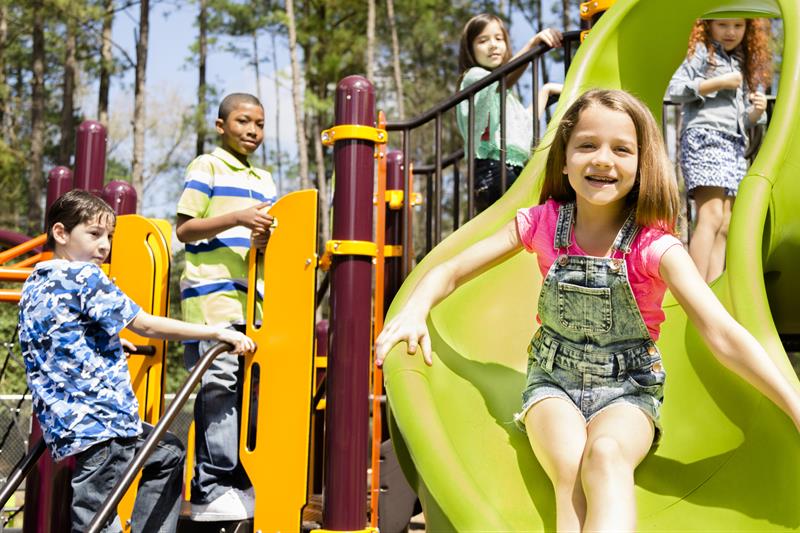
(435, 114)
(21, 470)
(112, 500)
(451, 101)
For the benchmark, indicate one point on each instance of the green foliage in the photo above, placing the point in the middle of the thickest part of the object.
(13, 380)
(176, 371)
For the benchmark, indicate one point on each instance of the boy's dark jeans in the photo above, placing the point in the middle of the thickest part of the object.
(487, 182)
(99, 468)
(217, 422)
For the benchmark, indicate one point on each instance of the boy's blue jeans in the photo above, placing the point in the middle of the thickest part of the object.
(217, 419)
(99, 468)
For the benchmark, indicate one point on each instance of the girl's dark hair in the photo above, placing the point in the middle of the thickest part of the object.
(655, 193)
(73, 208)
(473, 28)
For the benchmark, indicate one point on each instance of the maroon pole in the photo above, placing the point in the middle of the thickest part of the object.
(90, 157)
(121, 196)
(347, 407)
(59, 181)
(393, 269)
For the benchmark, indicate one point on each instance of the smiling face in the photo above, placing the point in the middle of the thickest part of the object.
(602, 157)
(490, 47)
(88, 241)
(728, 32)
(243, 130)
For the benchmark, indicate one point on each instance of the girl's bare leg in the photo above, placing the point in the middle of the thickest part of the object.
(557, 432)
(709, 202)
(619, 437)
(716, 262)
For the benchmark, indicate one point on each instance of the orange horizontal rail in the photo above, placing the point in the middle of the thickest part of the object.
(14, 274)
(7, 295)
(32, 260)
(23, 248)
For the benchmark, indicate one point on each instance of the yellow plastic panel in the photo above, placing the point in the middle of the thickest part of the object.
(139, 266)
(277, 460)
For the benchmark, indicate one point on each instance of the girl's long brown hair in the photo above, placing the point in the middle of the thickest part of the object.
(655, 192)
(753, 53)
(473, 28)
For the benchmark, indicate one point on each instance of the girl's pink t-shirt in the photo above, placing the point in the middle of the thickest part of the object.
(537, 226)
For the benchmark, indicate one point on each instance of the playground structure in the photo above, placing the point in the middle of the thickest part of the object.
(716, 466)
(728, 460)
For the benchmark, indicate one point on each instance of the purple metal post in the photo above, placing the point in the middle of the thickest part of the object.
(393, 269)
(59, 181)
(121, 196)
(48, 492)
(347, 408)
(90, 157)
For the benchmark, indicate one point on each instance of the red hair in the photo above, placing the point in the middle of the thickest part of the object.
(753, 52)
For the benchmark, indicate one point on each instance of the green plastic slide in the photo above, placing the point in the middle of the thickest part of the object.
(729, 459)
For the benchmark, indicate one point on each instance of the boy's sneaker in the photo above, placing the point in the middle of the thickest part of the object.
(233, 504)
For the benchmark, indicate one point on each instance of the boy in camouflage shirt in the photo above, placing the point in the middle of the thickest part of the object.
(70, 318)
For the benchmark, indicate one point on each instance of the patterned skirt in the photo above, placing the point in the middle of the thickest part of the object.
(712, 158)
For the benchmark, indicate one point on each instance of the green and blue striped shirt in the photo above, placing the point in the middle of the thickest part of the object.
(214, 283)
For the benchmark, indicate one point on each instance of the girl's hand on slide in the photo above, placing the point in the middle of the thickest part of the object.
(404, 327)
(549, 36)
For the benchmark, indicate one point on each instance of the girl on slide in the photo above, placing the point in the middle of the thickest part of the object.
(721, 86)
(604, 239)
(485, 47)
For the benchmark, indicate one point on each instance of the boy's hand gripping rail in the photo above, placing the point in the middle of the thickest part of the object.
(151, 442)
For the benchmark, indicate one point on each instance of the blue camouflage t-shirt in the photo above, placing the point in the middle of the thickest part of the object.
(69, 323)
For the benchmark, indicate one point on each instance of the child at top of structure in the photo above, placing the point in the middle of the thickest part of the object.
(603, 236)
(221, 214)
(484, 46)
(70, 318)
(721, 86)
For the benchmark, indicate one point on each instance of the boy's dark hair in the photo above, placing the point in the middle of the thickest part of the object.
(230, 102)
(73, 208)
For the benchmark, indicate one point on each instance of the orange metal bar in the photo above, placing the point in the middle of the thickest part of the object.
(21, 249)
(32, 260)
(11, 296)
(14, 274)
(377, 375)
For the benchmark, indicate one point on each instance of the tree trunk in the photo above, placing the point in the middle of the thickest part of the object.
(322, 185)
(299, 113)
(67, 145)
(398, 81)
(279, 154)
(537, 10)
(106, 64)
(137, 171)
(566, 18)
(37, 120)
(202, 52)
(5, 93)
(371, 40)
(256, 67)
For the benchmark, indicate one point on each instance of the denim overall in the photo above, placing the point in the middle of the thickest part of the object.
(593, 348)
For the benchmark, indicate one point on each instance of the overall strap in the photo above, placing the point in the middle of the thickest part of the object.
(566, 213)
(626, 234)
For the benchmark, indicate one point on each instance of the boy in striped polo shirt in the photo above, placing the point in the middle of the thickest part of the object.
(222, 210)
